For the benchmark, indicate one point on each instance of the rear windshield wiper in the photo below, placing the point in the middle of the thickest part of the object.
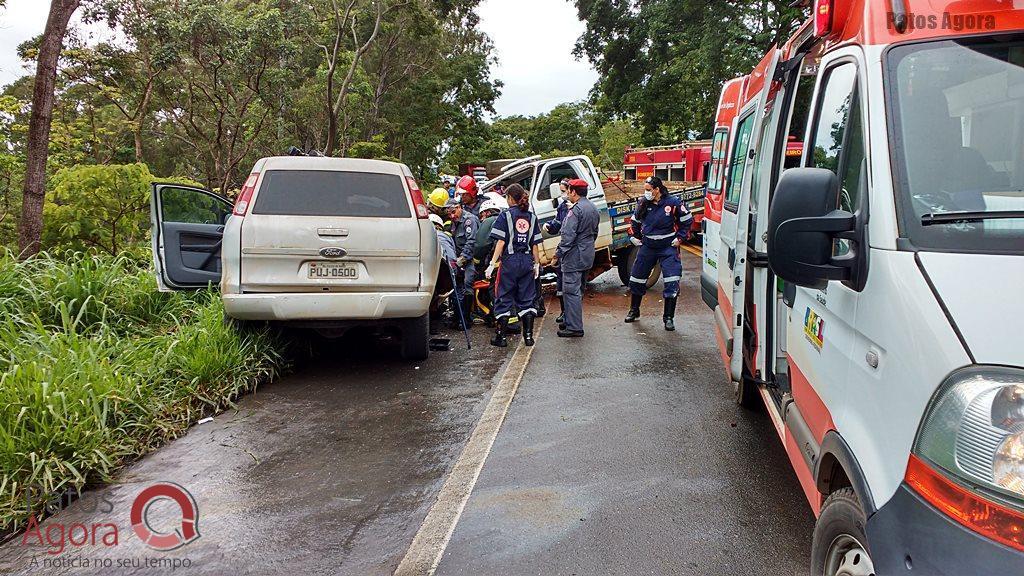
(969, 216)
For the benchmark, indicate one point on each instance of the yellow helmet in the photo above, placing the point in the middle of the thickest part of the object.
(439, 197)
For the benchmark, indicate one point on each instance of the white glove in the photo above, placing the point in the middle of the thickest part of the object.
(461, 261)
(547, 228)
(536, 270)
(676, 243)
(490, 270)
(635, 241)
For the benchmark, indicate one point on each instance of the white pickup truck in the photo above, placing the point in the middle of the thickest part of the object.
(540, 177)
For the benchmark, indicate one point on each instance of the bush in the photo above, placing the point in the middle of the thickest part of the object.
(98, 368)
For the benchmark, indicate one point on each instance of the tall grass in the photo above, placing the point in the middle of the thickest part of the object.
(98, 368)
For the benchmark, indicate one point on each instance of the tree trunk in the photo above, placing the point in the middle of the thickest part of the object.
(30, 229)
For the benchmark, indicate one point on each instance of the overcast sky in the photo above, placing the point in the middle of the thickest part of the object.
(534, 40)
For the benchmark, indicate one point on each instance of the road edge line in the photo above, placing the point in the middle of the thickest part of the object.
(428, 546)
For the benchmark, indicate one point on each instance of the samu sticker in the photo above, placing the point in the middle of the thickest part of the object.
(814, 329)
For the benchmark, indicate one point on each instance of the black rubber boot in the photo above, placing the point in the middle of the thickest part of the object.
(499, 339)
(670, 314)
(528, 330)
(634, 308)
(561, 311)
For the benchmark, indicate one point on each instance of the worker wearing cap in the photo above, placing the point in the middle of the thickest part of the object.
(576, 255)
(553, 228)
(464, 226)
(468, 192)
(517, 239)
(659, 226)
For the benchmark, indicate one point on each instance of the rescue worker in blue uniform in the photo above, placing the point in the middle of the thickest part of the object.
(660, 225)
(464, 227)
(553, 228)
(517, 248)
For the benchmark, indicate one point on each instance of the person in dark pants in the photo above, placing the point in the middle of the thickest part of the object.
(576, 254)
(464, 227)
(660, 225)
(554, 227)
(517, 248)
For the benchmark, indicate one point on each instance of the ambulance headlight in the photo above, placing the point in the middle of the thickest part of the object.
(974, 431)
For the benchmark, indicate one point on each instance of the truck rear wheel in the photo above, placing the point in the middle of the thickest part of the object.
(839, 547)
(624, 273)
(416, 338)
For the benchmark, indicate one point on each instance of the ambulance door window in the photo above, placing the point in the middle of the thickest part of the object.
(839, 138)
(737, 163)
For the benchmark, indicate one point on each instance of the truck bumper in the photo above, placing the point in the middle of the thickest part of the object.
(355, 306)
(909, 536)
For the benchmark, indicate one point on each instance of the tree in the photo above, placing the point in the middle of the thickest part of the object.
(34, 189)
(663, 62)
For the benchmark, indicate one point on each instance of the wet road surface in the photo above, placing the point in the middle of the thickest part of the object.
(622, 453)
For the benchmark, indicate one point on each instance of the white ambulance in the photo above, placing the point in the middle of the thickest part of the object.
(873, 298)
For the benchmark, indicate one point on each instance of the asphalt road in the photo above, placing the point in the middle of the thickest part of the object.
(621, 453)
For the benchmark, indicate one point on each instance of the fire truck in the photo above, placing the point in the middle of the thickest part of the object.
(869, 298)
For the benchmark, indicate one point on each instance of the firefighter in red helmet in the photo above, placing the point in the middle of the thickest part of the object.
(469, 193)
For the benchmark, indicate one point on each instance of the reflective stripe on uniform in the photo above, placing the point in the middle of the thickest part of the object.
(661, 236)
(672, 278)
(527, 311)
(497, 232)
(511, 230)
(637, 280)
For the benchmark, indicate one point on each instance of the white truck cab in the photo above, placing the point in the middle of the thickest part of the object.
(540, 177)
(872, 298)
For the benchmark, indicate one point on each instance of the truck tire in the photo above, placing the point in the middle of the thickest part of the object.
(416, 338)
(624, 272)
(839, 546)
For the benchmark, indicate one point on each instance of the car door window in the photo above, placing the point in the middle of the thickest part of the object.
(189, 206)
(718, 146)
(553, 175)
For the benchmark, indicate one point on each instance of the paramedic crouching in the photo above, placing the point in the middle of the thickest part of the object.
(659, 227)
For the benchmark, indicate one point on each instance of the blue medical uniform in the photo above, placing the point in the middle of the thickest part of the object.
(517, 288)
(657, 224)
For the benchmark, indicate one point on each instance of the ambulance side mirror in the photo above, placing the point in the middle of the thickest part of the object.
(804, 223)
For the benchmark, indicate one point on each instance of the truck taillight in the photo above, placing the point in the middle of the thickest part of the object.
(245, 196)
(822, 18)
(417, 199)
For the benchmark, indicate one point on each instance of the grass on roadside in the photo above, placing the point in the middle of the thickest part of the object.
(97, 368)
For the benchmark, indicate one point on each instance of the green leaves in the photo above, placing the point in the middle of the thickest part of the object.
(97, 368)
(663, 62)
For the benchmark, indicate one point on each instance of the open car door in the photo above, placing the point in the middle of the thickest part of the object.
(188, 227)
(731, 313)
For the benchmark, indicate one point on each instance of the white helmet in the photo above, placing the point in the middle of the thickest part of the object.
(491, 205)
(436, 220)
(498, 199)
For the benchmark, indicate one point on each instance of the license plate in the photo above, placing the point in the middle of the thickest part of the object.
(330, 271)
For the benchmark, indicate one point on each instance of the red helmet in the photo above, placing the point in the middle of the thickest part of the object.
(468, 186)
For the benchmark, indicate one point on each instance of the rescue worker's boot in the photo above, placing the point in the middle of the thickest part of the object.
(499, 339)
(561, 311)
(634, 308)
(528, 330)
(670, 314)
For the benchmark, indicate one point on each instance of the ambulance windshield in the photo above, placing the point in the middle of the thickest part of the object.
(958, 114)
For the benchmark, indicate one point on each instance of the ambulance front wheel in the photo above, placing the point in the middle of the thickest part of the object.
(839, 547)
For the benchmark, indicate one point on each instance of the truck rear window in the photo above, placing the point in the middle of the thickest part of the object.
(332, 193)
